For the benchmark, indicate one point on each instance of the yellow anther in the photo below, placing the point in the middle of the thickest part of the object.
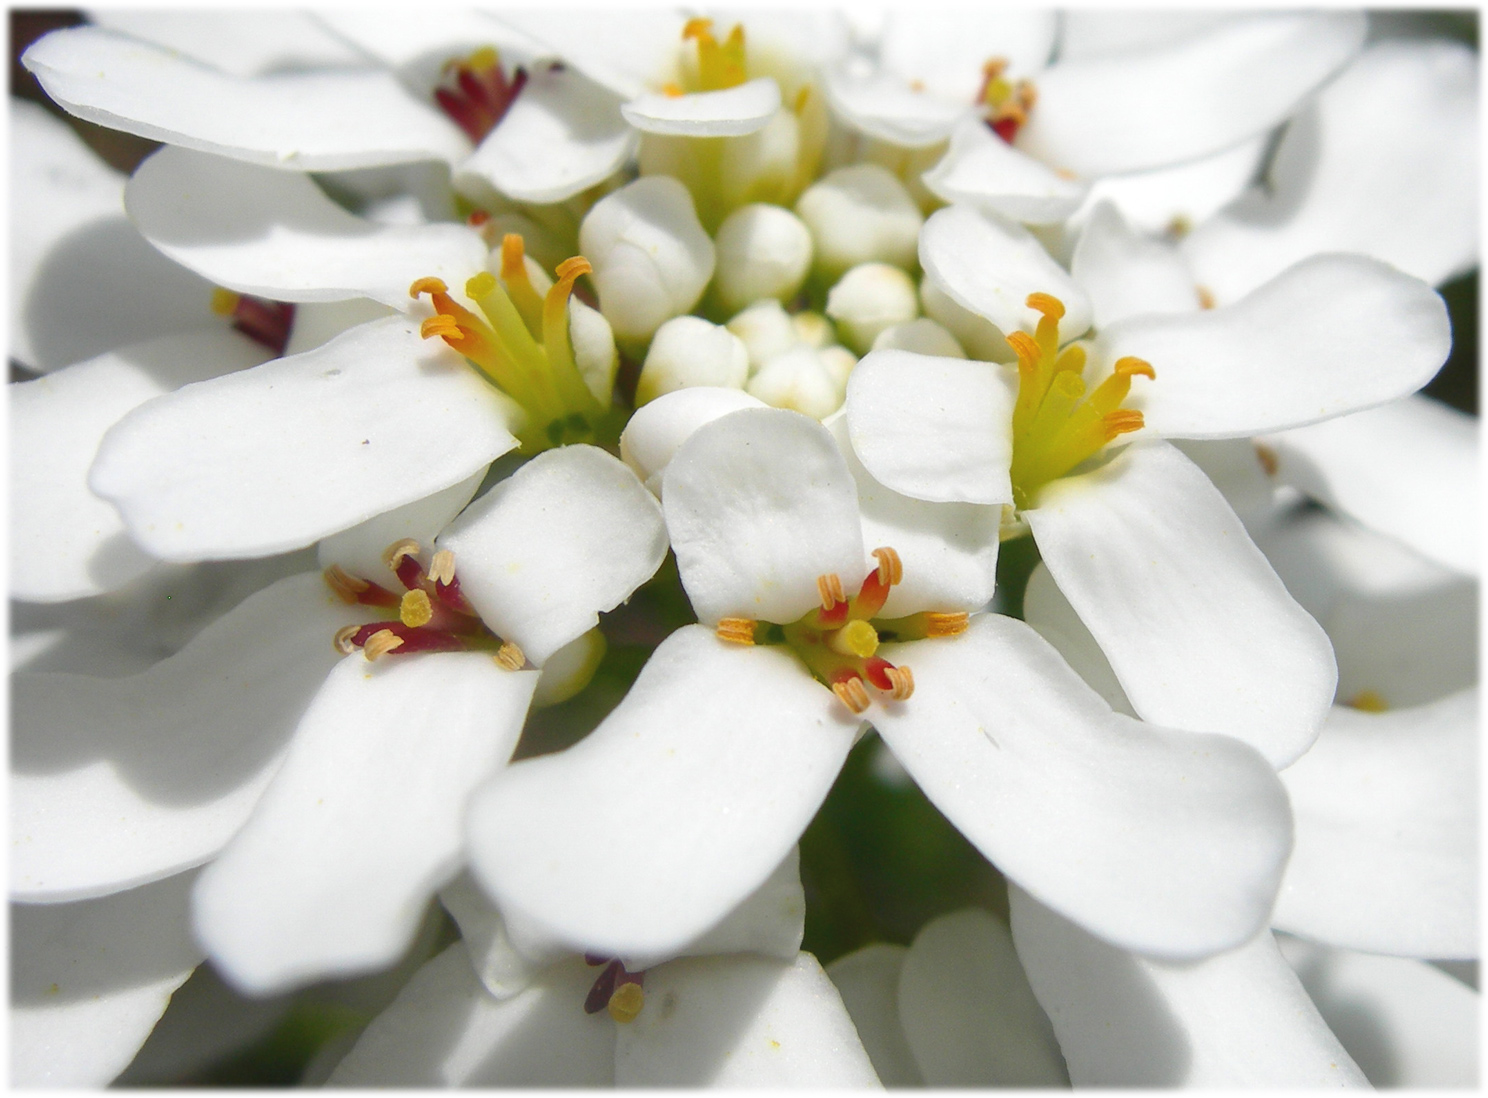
(429, 285)
(1368, 701)
(852, 693)
(572, 268)
(1179, 227)
(672, 91)
(890, 567)
(224, 302)
(511, 657)
(1121, 422)
(946, 625)
(441, 325)
(696, 28)
(343, 637)
(478, 286)
(380, 643)
(1268, 459)
(1047, 304)
(513, 257)
(346, 586)
(1206, 297)
(903, 683)
(829, 588)
(416, 609)
(442, 567)
(735, 630)
(1025, 348)
(393, 555)
(994, 67)
(1130, 366)
(626, 1002)
(856, 638)
(483, 59)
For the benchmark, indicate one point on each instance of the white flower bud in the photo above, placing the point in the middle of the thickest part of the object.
(814, 330)
(763, 251)
(687, 351)
(923, 336)
(839, 362)
(868, 299)
(593, 348)
(861, 214)
(568, 670)
(976, 334)
(656, 431)
(766, 329)
(651, 257)
(799, 381)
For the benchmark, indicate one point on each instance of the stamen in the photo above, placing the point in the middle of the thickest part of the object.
(852, 694)
(1206, 297)
(427, 285)
(343, 639)
(416, 609)
(902, 680)
(223, 301)
(346, 586)
(627, 1001)
(511, 657)
(829, 587)
(856, 638)
(602, 988)
(442, 567)
(946, 625)
(735, 630)
(381, 643)
(1368, 701)
(1130, 366)
(441, 325)
(1047, 304)
(1122, 421)
(1268, 459)
(890, 567)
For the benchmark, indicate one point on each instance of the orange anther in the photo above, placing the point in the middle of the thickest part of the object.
(571, 269)
(1024, 346)
(903, 682)
(1122, 421)
(696, 28)
(343, 639)
(946, 625)
(1047, 304)
(1206, 297)
(1130, 366)
(852, 693)
(345, 585)
(672, 91)
(393, 555)
(735, 630)
(510, 657)
(829, 587)
(429, 285)
(380, 643)
(890, 567)
(440, 325)
(513, 253)
(1268, 459)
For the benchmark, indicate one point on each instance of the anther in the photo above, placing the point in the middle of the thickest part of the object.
(393, 555)
(852, 694)
(442, 325)
(442, 567)
(1122, 421)
(1206, 297)
(416, 609)
(1047, 304)
(735, 630)
(1024, 346)
(1268, 459)
(1368, 701)
(573, 267)
(224, 302)
(513, 256)
(429, 285)
(946, 625)
(829, 587)
(903, 682)
(1131, 366)
(890, 567)
(626, 1002)
(343, 641)
(346, 586)
(380, 643)
(510, 657)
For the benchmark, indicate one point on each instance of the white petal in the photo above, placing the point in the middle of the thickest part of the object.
(362, 823)
(1334, 334)
(728, 113)
(418, 42)
(1127, 274)
(276, 234)
(983, 170)
(316, 323)
(120, 781)
(275, 457)
(990, 266)
(758, 505)
(741, 1022)
(655, 432)
(1383, 162)
(1183, 99)
(1387, 855)
(884, 106)
(645, 834)
(626, 51)
(968, 1011)
(1234, 466)
(316, 121)
(444, 1030)
(570, 534)
(1195, 622)
(506, 959)
(1095, 32)
(770, 921)
(89, 980)
(1408, 469)
(933, 428)
(1049, 612)
(1238, 1019)
(949, 550)
(946, 49)
(243, 43)
(563, 134)
(65, 542)
(868, 981)
(1164, 841)
(1406, 1023)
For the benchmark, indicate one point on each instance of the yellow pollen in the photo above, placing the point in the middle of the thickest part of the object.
(380, 643)
(1368, 701)
(510, 657)
(343, 637)
(441, 324)
(1268, 459)
(852, 694)
(427, 286)
(890, 567)
(802, 98)
(393, 555)
(1179, 227)
(829, 587)
(735, 630)
(946, 625)
(346, 586)
(224, 302)
(856, 638)
(416, 608)
(626, 1002)
(903, 682)
(442, 567)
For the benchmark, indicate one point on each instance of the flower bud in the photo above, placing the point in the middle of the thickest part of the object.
(766, 329)
(868, 299)
(923, 336)
(656, 431)
(799, 381)
(593, 348)
(763, 251)
(839, 362)
(861, 214)
(977, 335)
(568, 670)
(651, 257)
(814, 330)
(687, 351)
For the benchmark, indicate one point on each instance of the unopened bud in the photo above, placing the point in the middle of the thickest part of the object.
(923, 336)
(797, 380)
(766, 329)
(656, 431)
(687, 351)
(839, 362)
(868, 299)
(593, 349)
(860, 214)
(568, 670)
(763, 251)
(814, 330)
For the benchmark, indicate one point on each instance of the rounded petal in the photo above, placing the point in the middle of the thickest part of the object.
(277, 235)
(982, 170)
(1128, 274)
(1334, 334)
(65, 542)
(563, 134)
(933, 428)
(89, 980)
(1195, 622)
(1047, 610)
(728, 113)
(243, 43)
(1387, 854)
(1164, 841)
(418, 42)
(275, 457)
(945, 49)
(1239, 1019)
(626, 51)
(688, 795)
(742, 1021)
(868, 981)
(570, 534)
(1096, 32)
(968, 1011)
(990, 266)
(1383, 162)
(120, 781)
(328, 120)
(758, 505)
(361, 825)
(770, 921)
(445, 1030)
(884, 106)
(1182, 99)
(655, 432)
(1407, 469)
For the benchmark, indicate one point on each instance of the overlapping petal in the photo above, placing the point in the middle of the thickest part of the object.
(242, 43)
(1128, 274)
(728, 113)
(980, 169)
(868, 981)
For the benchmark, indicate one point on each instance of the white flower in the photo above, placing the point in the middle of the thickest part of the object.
(764, 251)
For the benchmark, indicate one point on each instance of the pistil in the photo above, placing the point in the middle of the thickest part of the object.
(1005, 103)
(476, 94)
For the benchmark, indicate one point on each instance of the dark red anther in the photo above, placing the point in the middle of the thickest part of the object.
(264, 321)
(592, 959)
(599, 994)
(876, 669)
(1005, 128)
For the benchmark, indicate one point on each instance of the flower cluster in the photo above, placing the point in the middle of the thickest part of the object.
(489, 487)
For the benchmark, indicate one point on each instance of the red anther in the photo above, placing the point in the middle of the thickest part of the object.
(592, 959)
(1005, 128)
(875, 669)
(599, 994)
(264, 321)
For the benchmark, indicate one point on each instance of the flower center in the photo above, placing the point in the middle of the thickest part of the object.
(433, 615)
(1005, 103)
(839, 641)
(523, 347)
(476, 94)
(1056, 425)
(261, 320)
(720, 66)
(615, 990)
